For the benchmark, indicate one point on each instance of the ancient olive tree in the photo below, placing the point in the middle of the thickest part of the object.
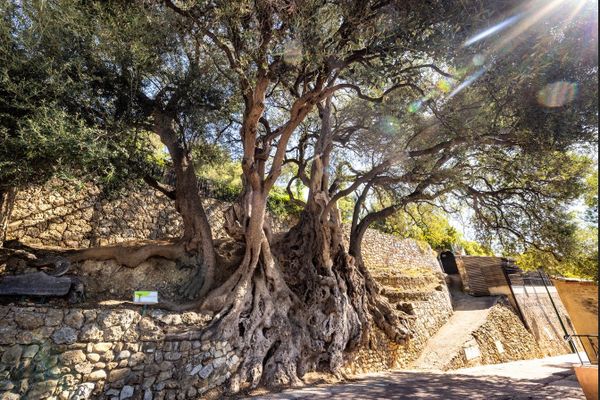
(302, 309)
(342, 92)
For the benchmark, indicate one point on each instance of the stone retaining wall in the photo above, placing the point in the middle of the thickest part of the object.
(71, 215)
(426, 318)
(49, 353)
(501, 338)
(381, 250)
(76, 215)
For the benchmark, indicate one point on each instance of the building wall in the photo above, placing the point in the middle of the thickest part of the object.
(580, 299)
(542, 320)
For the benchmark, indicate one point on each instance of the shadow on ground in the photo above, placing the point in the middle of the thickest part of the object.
(425, 385)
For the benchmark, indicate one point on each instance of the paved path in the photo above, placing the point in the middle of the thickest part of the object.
(548, 378)
(469, 314)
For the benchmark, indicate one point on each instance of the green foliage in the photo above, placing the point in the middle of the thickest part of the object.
(223, 174)
(581, 261)
(591, 198)
(279, 203)
(577, 255)
(428, 224)
(346, 207)
(51, 120)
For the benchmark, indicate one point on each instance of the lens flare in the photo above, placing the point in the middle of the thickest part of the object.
(444, 86)
(496, 28)
(292, 52)
(557, 94)
(388, 125)
(466, 83)
(415, 106)
(478, 60)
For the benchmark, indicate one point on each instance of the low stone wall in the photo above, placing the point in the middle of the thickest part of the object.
(426, 318)
(502, 338)
(49, 353)
(420, 292)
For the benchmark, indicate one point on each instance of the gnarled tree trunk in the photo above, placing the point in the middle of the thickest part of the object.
(195, 247)
(303, 309)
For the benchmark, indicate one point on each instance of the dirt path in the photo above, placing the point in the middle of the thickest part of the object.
(469, 313)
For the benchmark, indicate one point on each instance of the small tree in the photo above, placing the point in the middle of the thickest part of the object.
(51, 120)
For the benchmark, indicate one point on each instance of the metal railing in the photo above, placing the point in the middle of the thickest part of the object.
(589, 344)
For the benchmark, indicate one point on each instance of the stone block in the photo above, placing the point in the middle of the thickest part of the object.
(126, 392)
(117, 374)
(98, 375)
(102, 347)
(83, 391)
(29, 320)
(12, 355)
(54, 317)
(72, 357)
(64, 335)
(91, 333)
(74, 319)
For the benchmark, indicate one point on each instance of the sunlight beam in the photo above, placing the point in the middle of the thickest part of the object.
(496, 28)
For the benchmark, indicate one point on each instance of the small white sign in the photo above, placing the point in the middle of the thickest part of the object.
(145, 297)
(499, 346)
(472, 352)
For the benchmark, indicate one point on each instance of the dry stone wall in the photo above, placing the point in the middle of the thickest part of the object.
(66, 214)
(381, 251)
(426, 317)
(51, 353)
(501, 338)
(419, 290)
(78, 215)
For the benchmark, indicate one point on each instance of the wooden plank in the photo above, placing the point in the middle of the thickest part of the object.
(34, 284)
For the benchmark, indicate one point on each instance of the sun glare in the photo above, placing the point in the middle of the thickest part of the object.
(509, 32)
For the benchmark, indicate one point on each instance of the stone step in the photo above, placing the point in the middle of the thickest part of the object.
(404, 281)
(396, 296)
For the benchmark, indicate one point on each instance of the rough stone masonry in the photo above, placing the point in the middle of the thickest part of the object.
(50, 353)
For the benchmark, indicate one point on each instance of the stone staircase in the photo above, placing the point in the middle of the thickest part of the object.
(404, 291)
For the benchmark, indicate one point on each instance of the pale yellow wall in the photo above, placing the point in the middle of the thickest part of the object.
(580, 298)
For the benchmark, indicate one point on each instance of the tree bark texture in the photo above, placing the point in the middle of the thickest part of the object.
(301, 306)
(195, 247)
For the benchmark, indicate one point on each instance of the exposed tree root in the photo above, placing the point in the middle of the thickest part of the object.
(303, 316)
(300, 312)
(133, 255)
